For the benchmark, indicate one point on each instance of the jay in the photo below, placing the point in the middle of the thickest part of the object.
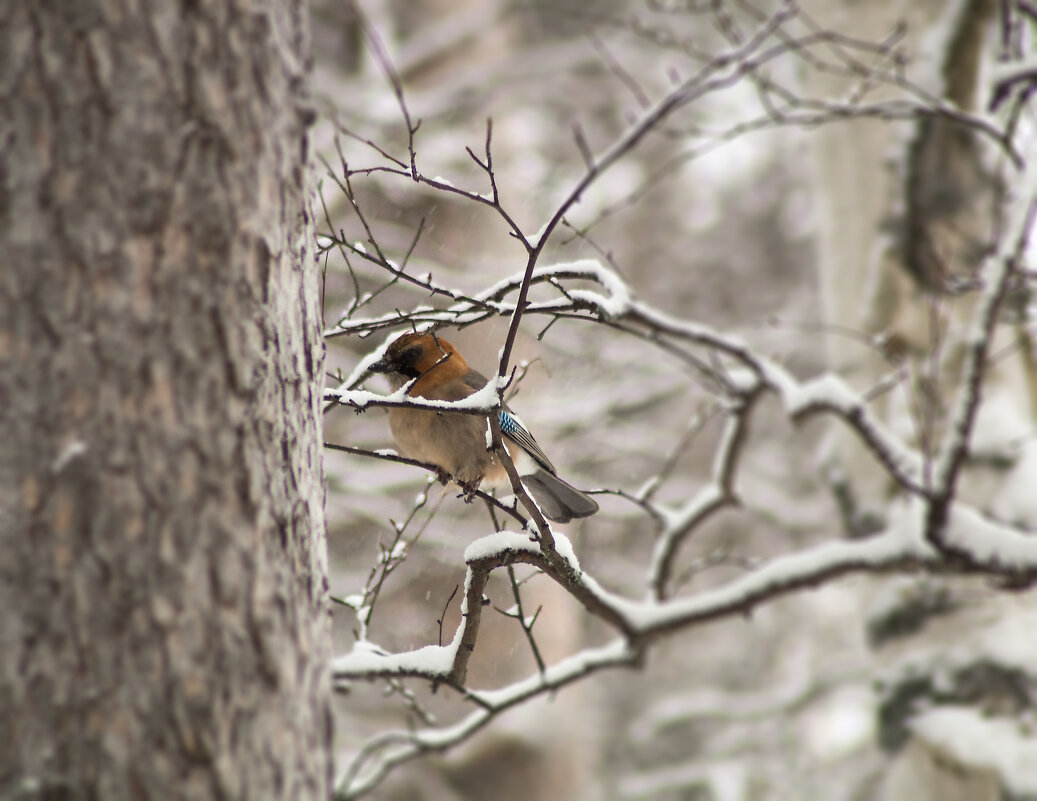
(457, 442)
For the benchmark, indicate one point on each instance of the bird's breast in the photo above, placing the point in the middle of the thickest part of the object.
(451, 441)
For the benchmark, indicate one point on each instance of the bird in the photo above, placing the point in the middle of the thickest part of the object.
(457, 442)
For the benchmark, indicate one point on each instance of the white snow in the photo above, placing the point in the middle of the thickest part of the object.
(831, 392)
(1009, 747)
(355, 601)
(565, 549)
(432, 660)
(988, 541)
(561, 672)
(498, 544)
(900, 541)
(1001, 421)
(482, 400)
(677, 519)
(504, 542)
(841, 724)
(614, 305)
(1015, 498)
(825, 390)
(361, 397)
(1009, 641)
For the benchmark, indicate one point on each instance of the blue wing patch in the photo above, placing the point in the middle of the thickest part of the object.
(513, 430)
(508, 425)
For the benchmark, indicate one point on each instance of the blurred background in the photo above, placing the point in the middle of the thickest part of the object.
(796, 238)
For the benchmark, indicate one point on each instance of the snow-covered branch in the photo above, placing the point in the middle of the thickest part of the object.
(929, 528)
(902, 547)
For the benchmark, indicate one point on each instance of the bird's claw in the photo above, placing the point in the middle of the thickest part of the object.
(468, 490)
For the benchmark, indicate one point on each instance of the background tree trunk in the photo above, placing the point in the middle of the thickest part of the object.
(895, 245)
(162, 584)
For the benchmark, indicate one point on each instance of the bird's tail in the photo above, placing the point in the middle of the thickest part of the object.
(559, 501)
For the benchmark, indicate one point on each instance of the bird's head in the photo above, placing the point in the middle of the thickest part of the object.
(415, 355)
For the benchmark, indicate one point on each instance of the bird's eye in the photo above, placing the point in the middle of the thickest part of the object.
(408, 361)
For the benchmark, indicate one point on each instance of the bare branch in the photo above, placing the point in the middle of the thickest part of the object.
(952, 454)
(718, 495)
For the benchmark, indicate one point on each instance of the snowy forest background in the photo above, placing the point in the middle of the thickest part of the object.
(762, 341)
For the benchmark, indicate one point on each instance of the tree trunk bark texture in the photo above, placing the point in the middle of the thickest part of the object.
(162, 568)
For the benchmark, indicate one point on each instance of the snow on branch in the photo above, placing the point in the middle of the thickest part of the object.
(379, 756)
(483, 401)
(901, 547)
(978, 543)
(999, 270)
(929, 528)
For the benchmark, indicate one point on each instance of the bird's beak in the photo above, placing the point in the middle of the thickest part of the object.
(379, 367)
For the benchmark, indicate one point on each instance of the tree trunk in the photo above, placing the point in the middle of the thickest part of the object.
(897, 246)
(899, 241)
(163, 576)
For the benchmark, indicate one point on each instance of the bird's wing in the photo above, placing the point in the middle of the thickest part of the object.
(512, 428)
(475, 380)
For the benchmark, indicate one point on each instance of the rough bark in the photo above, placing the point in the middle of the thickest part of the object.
(162, 578)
